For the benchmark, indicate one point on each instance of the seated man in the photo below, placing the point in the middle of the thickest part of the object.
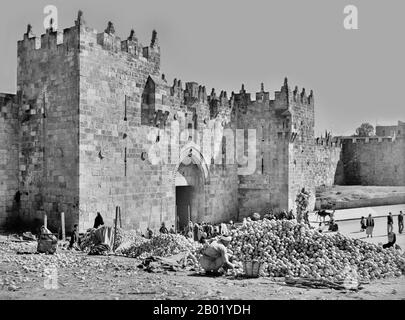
(215, 256)
(392, 238)
(333, 226)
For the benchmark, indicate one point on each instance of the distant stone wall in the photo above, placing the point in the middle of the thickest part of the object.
(374, 162)
(327, 169)
(8, 156)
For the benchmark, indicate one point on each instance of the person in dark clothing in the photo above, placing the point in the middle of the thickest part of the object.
(74, 239)
(163, 228)
(98, 221)
(333, 226)
(149, 233)
(207, 230)
(400, 222)
(392, 238)
(17, 197)
(390, 223)
(363, 224)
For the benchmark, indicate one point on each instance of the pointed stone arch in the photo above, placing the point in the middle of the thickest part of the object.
(192, 151)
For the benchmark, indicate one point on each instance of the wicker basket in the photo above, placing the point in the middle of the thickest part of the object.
(251, 268)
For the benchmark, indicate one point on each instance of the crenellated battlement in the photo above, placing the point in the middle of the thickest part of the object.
(284, 98)
(77, 36)
(368, 140)
(194, 93)
(50, 41)
(327, 143)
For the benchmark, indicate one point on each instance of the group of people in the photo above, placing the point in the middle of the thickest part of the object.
(215, 255)
(200, 232)
(75, 237)
(281, 215)
(204, 231)
(368, 226)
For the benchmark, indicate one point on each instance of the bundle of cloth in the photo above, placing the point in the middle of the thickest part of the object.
(98, 241)
(47, 242)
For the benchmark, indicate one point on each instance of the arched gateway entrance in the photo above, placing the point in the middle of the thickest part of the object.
(191, 178)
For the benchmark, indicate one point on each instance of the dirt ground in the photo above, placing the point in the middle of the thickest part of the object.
(79, 276)
(350, 193)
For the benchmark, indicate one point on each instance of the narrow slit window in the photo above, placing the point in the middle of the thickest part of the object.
(125, 108)
(262, 165)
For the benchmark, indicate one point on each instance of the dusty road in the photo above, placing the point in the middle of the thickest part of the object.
(79, 276)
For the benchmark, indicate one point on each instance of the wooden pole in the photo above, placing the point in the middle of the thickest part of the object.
(62, 218)
(115, 225)
(120, 218)
(45, 221)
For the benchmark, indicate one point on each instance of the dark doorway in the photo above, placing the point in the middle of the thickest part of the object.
(183, 203)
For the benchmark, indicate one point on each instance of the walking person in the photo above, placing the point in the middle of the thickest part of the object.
(369, 226)
(390, 223)
(400, 222)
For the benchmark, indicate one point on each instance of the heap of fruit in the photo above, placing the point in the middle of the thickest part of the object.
(161, 245)
(88, 240)
(286, 248)
(127, 237)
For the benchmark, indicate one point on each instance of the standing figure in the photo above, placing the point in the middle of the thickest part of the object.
(306, 218)
(98, 221)
(390, 223)
(400, 222)
(363, 224)
(196, 232)
(370, 226)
